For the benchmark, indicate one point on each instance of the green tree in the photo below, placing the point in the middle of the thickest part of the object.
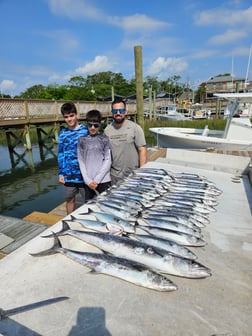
(77, 81)
(100, 85)
(33, 92)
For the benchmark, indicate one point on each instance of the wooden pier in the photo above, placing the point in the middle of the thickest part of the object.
(17, 116)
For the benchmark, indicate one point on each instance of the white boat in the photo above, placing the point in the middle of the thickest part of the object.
(200, 112)
(169, 112)
(236, 136)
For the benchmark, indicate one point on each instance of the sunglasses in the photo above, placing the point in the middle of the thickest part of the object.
(121, 110)
(95, 125)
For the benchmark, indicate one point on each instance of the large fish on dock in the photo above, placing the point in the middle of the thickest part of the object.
(168, 245)
(121, 268)
(196, 219)
(98, 226)
(169, 225)
(154, 258)
(117, 207)
(109, 218)
(123, 214)
(179, 237)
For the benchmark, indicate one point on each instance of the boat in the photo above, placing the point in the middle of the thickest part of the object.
(200, 112)
(237, 134)
(168, 112)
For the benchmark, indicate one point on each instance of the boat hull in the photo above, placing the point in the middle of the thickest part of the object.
(169, 137)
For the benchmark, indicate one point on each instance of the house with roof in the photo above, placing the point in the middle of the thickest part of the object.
(225, 84)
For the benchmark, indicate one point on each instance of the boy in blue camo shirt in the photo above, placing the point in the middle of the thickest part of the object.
(69, 170)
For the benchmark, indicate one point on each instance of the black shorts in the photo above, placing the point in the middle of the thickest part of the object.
(89, 193)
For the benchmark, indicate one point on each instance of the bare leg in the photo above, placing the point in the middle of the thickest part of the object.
(70, 205)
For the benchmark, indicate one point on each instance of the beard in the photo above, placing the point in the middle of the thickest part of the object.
(119, 121)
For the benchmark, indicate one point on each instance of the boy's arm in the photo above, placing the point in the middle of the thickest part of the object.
(82, 164)
(61, 160)
(106, 165)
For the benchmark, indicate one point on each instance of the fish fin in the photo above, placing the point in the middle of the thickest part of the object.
(51, 250)
(126, 234)
(139, 214)
(93, 271)
(137, 223)
(156, 250)
(106, 252)
(114, 229)
(86, 213)
(91, 201)
(65, 227)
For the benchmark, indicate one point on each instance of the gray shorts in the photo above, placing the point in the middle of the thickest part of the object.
(72, 189)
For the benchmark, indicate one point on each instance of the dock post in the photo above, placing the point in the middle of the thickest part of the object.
(27, 144)
(139, 85)
(56, 133)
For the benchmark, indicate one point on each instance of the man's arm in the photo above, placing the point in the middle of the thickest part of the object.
(142, 151)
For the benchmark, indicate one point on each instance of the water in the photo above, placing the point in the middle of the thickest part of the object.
(29, 180)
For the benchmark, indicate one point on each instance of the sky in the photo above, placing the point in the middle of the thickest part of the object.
(50, 41)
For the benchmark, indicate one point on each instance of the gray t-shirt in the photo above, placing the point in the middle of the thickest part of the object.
(124, 142)
(94, 158)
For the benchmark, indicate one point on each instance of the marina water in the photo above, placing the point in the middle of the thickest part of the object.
(29, 180)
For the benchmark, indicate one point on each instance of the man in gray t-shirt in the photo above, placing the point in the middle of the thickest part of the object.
(127, 141)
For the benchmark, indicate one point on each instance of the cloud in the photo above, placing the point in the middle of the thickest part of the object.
(221, 16)
(76, 9)
(79, 9)
(164, 67)
(228, 37)
(99, 64)
(137, 23)
(7, 85)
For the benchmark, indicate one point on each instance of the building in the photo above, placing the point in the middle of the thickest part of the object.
(225, 84)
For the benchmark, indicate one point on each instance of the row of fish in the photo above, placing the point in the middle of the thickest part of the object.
(145, 227)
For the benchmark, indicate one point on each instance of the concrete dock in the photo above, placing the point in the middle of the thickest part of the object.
(103, 305)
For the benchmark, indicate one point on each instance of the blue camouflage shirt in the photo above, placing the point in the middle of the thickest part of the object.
(67, 153)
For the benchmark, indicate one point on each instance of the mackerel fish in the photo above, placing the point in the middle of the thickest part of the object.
(168, 245)
(179, 237)
(109, 218)
(121, 268)
(152, 257)
(168, 225)
(98, 226)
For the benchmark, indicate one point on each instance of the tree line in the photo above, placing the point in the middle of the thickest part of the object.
(99, 86)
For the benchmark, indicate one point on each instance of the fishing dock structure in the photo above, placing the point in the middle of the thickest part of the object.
(15, 232)
(18, 116)
(193, 309)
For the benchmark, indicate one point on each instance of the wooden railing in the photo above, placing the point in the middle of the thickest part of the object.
(19, 111)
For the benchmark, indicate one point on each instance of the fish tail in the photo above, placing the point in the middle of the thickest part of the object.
(65, 227)
(52, 250)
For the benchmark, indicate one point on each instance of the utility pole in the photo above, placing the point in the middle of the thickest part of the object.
(139, 85)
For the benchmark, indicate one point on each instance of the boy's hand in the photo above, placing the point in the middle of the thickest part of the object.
(61, 179)
(93, 185)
